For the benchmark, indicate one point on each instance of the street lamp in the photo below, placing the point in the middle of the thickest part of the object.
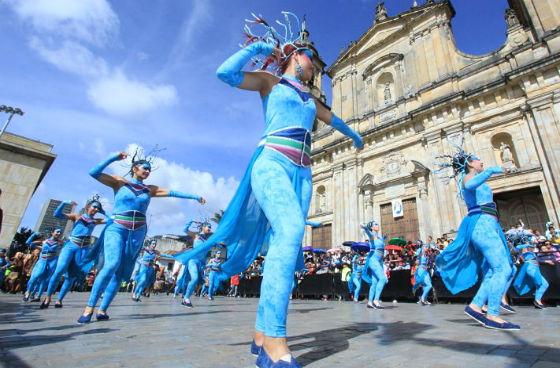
(11, 111)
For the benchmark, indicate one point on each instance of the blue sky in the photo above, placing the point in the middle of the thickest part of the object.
(97, 76)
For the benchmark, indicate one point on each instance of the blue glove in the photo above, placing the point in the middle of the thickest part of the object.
(231, 72)
(341, 126)
(177, 194)
(97, 170)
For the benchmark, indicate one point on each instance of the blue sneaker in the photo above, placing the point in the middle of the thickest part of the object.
(479, 317)
(255, 349)
(85, 319)
(506, 326)
(102, 317)
(507, 308)
(264, 361)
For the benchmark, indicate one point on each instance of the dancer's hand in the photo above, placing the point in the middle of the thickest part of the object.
(201, 200)
(277, 54)
(122, 155)
(495, 169)
(358, 142)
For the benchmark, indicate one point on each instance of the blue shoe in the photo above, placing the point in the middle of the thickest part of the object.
(85, 319)
(538, 305)
(479, 317)
(102, 317)
(506, 326)
(507, 308)
(186, 304)
(255, 349)
(264, 361)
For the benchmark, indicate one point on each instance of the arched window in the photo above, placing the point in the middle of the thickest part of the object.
(504, 151)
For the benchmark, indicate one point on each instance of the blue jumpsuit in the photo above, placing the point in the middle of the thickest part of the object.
(45, 266)
(374, 274)
(480, 244)
(422, 276)
(122, 242)
(193, 269)
(4, 265)
(214, 277)
(71, 259)
(530, 277)
(146, 273)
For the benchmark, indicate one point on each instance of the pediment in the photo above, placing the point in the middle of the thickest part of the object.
(377, 36)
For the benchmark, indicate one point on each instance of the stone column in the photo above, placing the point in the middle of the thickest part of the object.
(338, 203)
(424, 215)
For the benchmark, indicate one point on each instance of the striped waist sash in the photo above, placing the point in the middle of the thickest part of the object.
(81, 241)
(488, 208)
(293, 143)
(131, 220)
(48, 255)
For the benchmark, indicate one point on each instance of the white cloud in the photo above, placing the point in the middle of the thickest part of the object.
(71, 57)
(92, 21)
(118, 94)
(199, 13)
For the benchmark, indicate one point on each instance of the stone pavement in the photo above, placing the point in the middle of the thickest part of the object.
(159, 332)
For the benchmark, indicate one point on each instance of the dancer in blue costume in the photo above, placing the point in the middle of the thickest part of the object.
(355, 281)
(479, 245)
(214, 278)
(124, 234)
(374, 274)
(529, 276)
(146, 272)
(275, 192)
(45, 266)
(73, 254)
(193, 267)
(422, 276)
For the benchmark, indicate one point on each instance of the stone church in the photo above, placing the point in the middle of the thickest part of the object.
(413, 95)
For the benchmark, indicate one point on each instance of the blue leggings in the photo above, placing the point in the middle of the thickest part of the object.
(214, 283)
(121, 247)
(41, 275)
(194, 270)
(534, 272)
(181, 281)
(69, 258)
(273, 181)
(145, 276)
(487, 240)
(423, 279)
(378, 279)
(357, 281)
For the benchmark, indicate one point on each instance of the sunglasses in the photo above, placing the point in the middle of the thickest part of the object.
(307, 52)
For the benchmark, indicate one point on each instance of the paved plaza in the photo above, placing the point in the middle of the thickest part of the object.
(159, 332)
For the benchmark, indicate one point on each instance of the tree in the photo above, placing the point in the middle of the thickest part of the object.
(18, 243)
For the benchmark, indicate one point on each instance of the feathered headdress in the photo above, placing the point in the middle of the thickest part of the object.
(457, 162)
(140, 158)
(293, 35)
(96, 203)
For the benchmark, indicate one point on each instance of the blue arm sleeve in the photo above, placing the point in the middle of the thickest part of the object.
(479, 179)
(230, 71)
(58, 212)
(341, 126)
(368, 233)
(32, 238)
(187, 226)
(97, 170)
(177, 194)
(313, 223)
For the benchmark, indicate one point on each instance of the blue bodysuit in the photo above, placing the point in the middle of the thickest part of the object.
(480, 244)
(72, 257)
(146, 274)
(422, 276)
(374, 274)
(45, 266)
(530, 277)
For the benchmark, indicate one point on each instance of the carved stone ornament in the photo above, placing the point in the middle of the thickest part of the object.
(380, 12)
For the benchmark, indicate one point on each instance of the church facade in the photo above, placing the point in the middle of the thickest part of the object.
(413, 95)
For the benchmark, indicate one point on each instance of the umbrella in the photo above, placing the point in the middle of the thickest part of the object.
(397, 241)
(360, 246)
(393, 247)
(319, 250)
(308, 248)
